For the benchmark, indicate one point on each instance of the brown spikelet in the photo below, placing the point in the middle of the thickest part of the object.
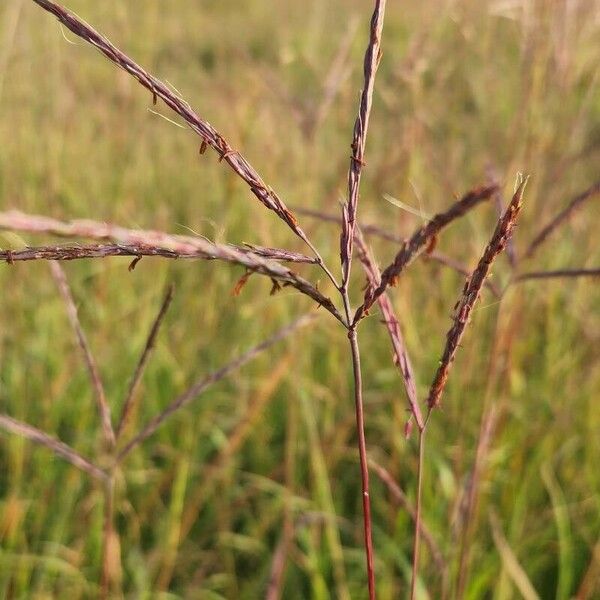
(242, 281)
(276, 287)
(431, 245)
(133, 263)
(290, 217)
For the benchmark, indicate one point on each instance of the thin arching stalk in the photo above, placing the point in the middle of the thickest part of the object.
(130, 400)
(418, 502)
(94, 373)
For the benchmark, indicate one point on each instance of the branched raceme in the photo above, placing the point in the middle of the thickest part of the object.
(112, 240)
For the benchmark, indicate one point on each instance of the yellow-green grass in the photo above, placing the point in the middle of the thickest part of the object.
(203, 505)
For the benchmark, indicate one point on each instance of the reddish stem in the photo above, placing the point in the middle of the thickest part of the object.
(364, 467)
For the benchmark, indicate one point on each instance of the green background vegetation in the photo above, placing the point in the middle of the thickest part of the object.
(204, 503)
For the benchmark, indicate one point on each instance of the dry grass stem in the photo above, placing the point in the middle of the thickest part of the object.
(367, 228)
(471, 293)
(561, 217)
(510, 562)
(130, 400)
(590, 582)
(455, 265)
(276, 576)
(132, 242)
(419, 241)
(569, 273)
(401, 358)
(204, 383)
(59, 448)
(94, 372)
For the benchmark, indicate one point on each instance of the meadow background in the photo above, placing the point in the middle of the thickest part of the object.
(270, 454)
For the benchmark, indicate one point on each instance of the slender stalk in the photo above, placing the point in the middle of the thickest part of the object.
(417, 534)
(129, 404)
(364, 465)
(464, 308)
(59, 448)
(94, 372)
(400, 497)
(108, 542)
(561, 217)
(322, 264)
(568, 273)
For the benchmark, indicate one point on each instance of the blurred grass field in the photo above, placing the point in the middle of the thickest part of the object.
(204, 505)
